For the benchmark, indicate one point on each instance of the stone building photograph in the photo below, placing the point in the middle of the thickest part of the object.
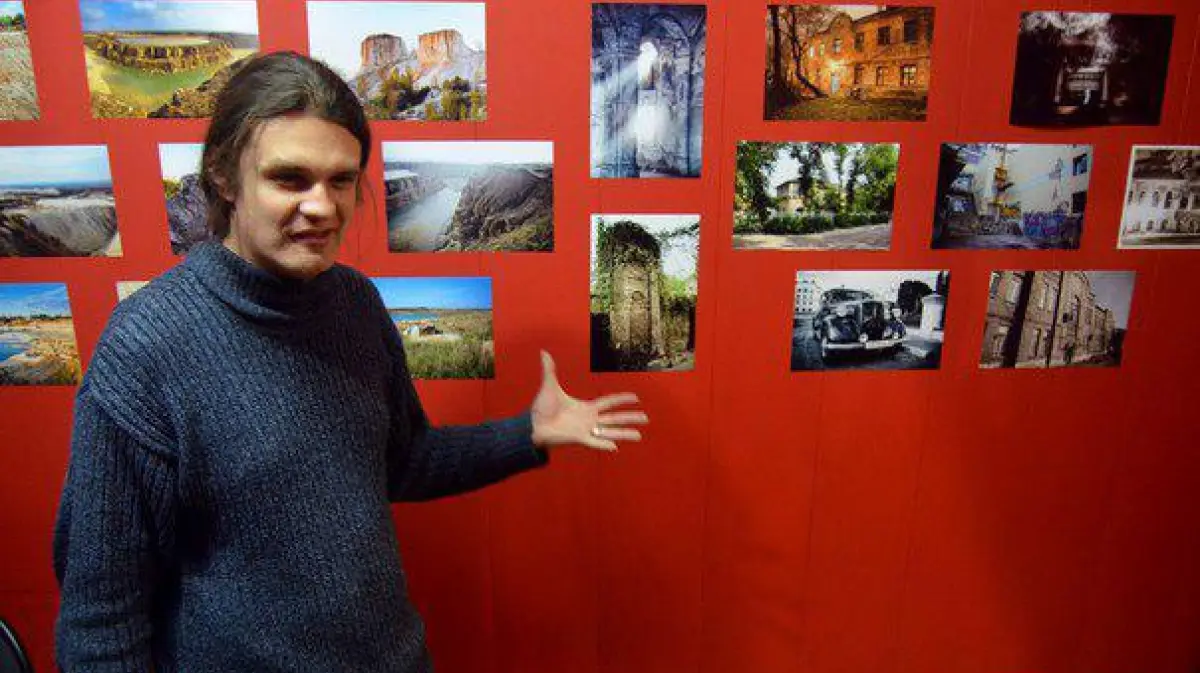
(647, 94)
(643, 292)
(1070, 318)
(848, 62)
(1162, 198)
(1028, 196)
(423, 61)
(164, 59)
(1090, 68)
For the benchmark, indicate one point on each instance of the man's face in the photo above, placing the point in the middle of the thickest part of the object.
(299, 184)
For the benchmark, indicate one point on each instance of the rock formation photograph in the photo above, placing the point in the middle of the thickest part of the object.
(446, 325)
(406, 60)
(648, 66)
(37, 335)
(460, 196)
(18, 92)
(643, 292)
(187, 211)
(57, 201)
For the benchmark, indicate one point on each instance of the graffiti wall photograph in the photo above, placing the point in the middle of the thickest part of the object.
(643, 292)
(57, 201)
(995, 195)
(166, 58)
(406, 60)
(446, 325)
(814, 196)
(1090, 68)
(18, 91)
(1069, 318)
(848, 62)
(869, 319)
(648, 64)
(37, 335)
(1162, 198)
(187, 209)
(458, 196)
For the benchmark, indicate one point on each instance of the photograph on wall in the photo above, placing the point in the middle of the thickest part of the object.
(445, 323)
(164, 58)
(57, 201)
(469, 196)
(643, 292)
(647, 90)
(128, 287)
(848, 62)
(187, 210)
(814, 196)
(869, 319)
(18, 91)
(1162, 198)
(1090, 68)
(994, 195)
(406, 60)
(1039, 319)
(37, 335)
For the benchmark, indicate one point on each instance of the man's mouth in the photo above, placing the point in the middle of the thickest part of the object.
(313, 236)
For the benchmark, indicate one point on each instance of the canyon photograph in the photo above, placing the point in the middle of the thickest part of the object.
(406, 60)
(187, 211)
(445, 323)
(37, 335)
(18, 92)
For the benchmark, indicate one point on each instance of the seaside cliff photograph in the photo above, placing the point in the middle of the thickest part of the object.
(37, 335)
(57, 201)
(446, 325)
(406, 60)
(187, 211)
(164, 58)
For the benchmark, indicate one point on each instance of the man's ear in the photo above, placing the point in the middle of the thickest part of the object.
(224, 188)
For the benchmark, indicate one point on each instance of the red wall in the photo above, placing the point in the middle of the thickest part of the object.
(956, 520)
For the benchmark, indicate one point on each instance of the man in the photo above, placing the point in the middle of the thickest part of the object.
(248, 417)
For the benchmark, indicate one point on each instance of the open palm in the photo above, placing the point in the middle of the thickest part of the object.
(561, 419)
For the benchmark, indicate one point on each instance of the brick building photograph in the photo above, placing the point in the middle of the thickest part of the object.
(1070, 318)
(1162, 198)
(848, 62)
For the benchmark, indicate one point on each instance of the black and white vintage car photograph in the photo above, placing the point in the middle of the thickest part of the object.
(869, 319)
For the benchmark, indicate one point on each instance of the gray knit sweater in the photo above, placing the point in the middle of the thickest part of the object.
(238, 439)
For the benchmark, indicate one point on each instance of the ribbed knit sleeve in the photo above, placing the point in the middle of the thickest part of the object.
(113, 537)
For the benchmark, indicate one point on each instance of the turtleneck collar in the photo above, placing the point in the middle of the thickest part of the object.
(254, 292)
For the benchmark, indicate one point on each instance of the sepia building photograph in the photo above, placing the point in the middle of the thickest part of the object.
(1039, 319)
(1162, 198)
(848, 62)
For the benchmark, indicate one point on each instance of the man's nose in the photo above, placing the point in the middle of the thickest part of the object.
(318, 203)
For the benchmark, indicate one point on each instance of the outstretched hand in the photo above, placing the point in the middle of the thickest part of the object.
(560, 419)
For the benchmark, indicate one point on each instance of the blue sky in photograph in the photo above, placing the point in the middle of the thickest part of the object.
(54, 165)
(469, 152)
(1114, 291)
(23, 299)
(336, 29)
(218, 16)
(11, 8)
(179, 159)
(445, 292)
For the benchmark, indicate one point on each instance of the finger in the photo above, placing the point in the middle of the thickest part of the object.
(610, 401)
(622, 434)
(623, 418)
(599, 444)
(548, 370)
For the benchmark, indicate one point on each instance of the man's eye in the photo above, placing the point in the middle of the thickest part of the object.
(343, 182)
(289, 181)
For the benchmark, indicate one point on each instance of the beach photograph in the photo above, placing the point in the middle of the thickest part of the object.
(814, 196)
(18, 91)
(446, 325)
(187, 209)
(464, 196)
(406, 60)
(1162, 198)
(643, 292)
(164, 58)
(57, 201)
(37, 335)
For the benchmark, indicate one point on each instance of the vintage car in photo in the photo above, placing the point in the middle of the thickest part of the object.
(855, 321)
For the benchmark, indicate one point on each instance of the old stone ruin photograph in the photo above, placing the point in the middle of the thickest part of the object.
(1162, 198)
(1021, 197)
(406, 60)
(643, 292)
(57, 201)
(165, 58)
(869, 319)
(1070, 318)
(461, 196)
(37, 335)
(187, 211)
(848, 62)
(814, 196)
(1090, 68)
(18, 91)
(647, 90)
(445, 323)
